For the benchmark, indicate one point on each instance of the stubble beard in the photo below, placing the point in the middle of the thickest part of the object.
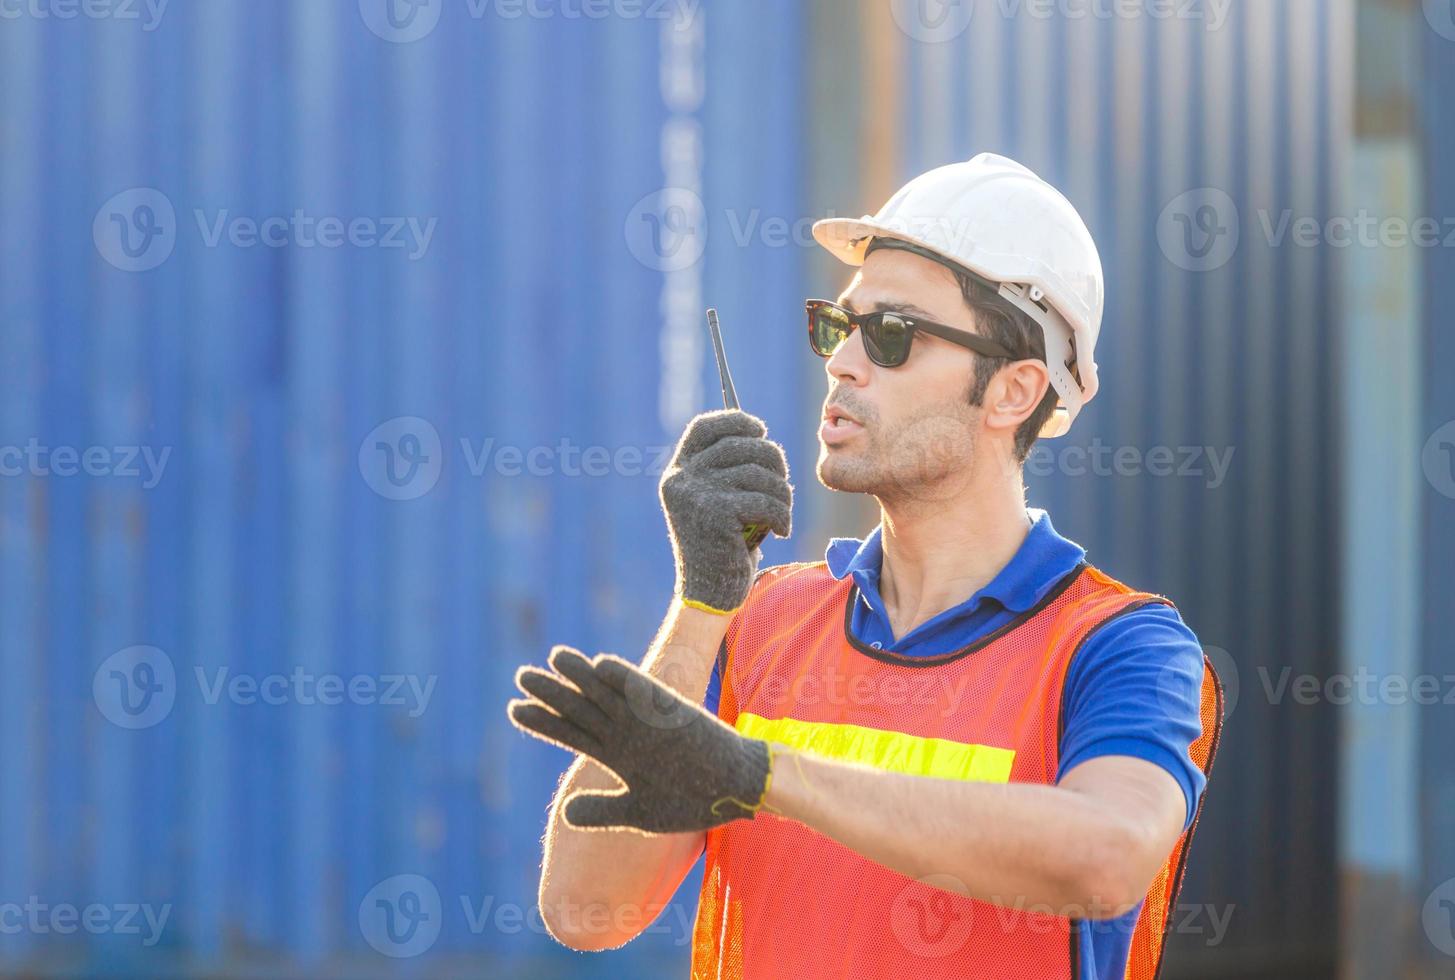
(923, 459)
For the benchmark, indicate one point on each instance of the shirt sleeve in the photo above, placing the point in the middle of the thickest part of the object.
(713, 696)
(1135, 689)
(714, 682)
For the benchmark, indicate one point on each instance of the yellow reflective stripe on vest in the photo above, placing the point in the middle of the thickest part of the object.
(894, 751)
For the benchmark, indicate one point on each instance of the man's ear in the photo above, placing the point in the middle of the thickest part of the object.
(1014, 393)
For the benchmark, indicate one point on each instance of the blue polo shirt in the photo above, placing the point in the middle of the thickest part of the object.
(1133, 689)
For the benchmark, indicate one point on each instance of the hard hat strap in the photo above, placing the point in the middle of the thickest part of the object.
(1012, 295)
(1056, 333)
(879, 241)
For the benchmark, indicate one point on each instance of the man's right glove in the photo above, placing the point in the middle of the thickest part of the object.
(684, 769)
(724, 475)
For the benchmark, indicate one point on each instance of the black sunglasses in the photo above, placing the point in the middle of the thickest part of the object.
(887, 336)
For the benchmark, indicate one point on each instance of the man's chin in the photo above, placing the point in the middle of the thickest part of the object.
(840, 470)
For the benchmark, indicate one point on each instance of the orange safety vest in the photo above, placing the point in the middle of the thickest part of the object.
(780, 900)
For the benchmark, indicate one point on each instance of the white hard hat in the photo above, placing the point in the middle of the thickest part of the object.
(997, 219)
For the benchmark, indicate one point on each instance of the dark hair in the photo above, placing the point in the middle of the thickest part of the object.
(1017, 332)
(999, 321)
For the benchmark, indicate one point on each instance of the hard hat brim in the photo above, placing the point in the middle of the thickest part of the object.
(847, 238)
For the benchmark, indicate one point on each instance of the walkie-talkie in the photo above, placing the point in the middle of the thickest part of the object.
(753, 534)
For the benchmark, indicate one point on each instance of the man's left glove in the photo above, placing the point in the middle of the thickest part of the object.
(684, 769)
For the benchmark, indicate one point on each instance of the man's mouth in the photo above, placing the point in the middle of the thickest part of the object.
(838, 425)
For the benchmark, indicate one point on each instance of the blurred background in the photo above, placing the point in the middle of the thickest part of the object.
(343, 342)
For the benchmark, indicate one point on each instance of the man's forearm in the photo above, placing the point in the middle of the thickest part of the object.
(685, 648)
(1015, 845)
(629, 875)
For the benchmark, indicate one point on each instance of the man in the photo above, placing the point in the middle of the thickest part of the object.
(951, 749)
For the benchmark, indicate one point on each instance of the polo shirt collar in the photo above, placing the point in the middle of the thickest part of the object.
(1043, 560)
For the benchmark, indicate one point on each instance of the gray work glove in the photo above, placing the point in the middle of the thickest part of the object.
(684, 769)
(725, 474)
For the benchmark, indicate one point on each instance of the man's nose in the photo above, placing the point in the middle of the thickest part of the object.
(849, 364)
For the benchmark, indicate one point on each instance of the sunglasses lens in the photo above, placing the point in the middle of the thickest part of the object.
(831, 327)
(886, 339)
